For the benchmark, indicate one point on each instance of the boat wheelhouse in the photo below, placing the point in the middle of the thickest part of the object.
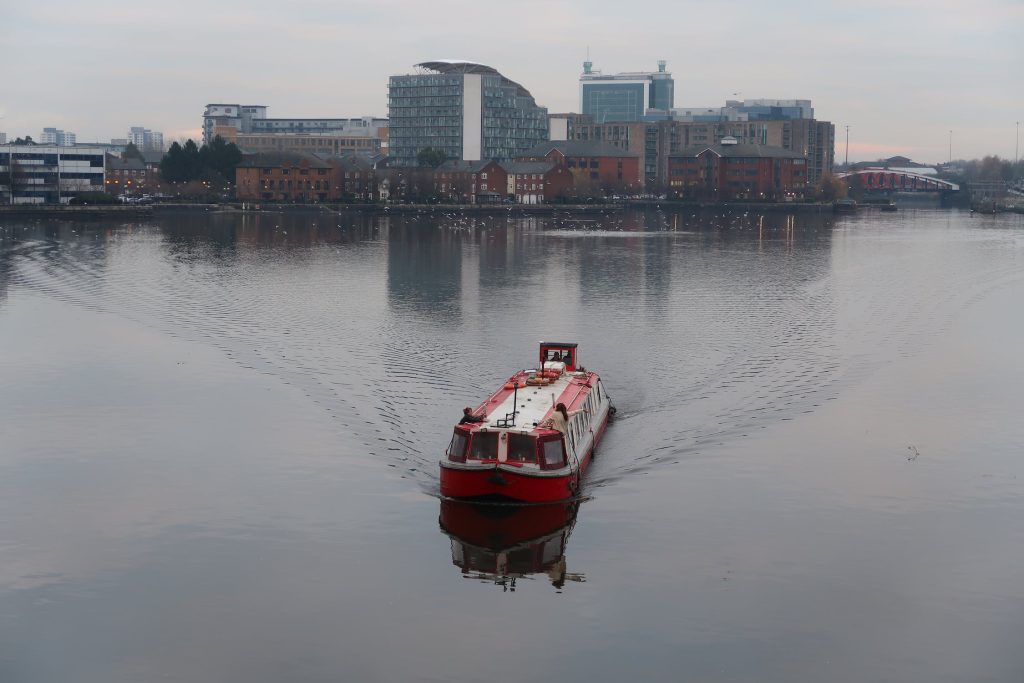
(514, 447)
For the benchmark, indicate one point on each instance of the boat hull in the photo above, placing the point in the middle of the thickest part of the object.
(499, 482)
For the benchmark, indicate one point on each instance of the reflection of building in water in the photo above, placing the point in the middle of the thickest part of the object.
(502, 544)
(425, 269)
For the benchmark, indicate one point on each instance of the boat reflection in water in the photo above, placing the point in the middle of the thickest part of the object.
(503, 543)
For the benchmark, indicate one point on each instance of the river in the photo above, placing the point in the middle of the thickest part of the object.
(219, 437)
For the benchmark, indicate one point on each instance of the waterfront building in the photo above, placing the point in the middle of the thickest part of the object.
(611, 168)
(468, 111)
(729, 170)
(536, 182)
(471, 182)
(654, 141)
(303, 177)
(145, 139)
(49, 174)
(353, 177)
(284, 176)
(628, 96)
(55, 136)
(129, 176)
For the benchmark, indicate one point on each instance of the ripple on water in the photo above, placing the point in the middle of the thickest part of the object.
(389, 326)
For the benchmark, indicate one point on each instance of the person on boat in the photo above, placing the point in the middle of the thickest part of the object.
(560, 417)
(469, 417)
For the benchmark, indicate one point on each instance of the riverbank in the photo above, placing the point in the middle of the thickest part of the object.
(144, 211)
(68, 211)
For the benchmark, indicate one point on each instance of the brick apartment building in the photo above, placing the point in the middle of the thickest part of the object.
(611, 168)
(130, 176)
(736, 171)
(536, 182)
(471, 182)
(655, 141)
(354, 178)
(285, 176)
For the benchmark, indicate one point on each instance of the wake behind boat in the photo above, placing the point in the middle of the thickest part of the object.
(517, 445)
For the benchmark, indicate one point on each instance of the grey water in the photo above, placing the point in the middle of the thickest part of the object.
(219, 437)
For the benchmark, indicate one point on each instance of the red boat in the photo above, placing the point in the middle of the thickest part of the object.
(513, 447)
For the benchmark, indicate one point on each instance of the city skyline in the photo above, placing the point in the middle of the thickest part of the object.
(901, 74)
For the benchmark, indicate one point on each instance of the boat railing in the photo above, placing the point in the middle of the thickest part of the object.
(510, 418)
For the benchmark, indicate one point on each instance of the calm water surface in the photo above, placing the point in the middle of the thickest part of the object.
(219, 437)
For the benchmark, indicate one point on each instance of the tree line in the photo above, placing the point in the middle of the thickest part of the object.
(212, 163)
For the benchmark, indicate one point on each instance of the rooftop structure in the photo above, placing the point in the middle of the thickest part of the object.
(748, 110)
(626, 96)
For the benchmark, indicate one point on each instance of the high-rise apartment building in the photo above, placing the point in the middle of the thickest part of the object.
(55, 136)
(628, 96)
(146, 139)
(469, 111)
(235, 116)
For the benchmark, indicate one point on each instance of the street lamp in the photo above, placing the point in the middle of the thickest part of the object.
(847, 148)
(950, 148)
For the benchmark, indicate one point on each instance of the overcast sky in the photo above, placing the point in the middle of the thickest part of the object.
(901, 73)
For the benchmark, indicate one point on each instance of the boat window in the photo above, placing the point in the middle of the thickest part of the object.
(457, 448)
(552, 454)
(521, 448)
(520, 561)
(484, 446)
(551, 550)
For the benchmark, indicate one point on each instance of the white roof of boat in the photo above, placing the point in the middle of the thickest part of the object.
(531, 404)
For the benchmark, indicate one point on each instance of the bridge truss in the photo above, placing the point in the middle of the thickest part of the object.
(900, 181)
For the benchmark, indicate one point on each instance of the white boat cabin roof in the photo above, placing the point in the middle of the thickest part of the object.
(532, 404)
